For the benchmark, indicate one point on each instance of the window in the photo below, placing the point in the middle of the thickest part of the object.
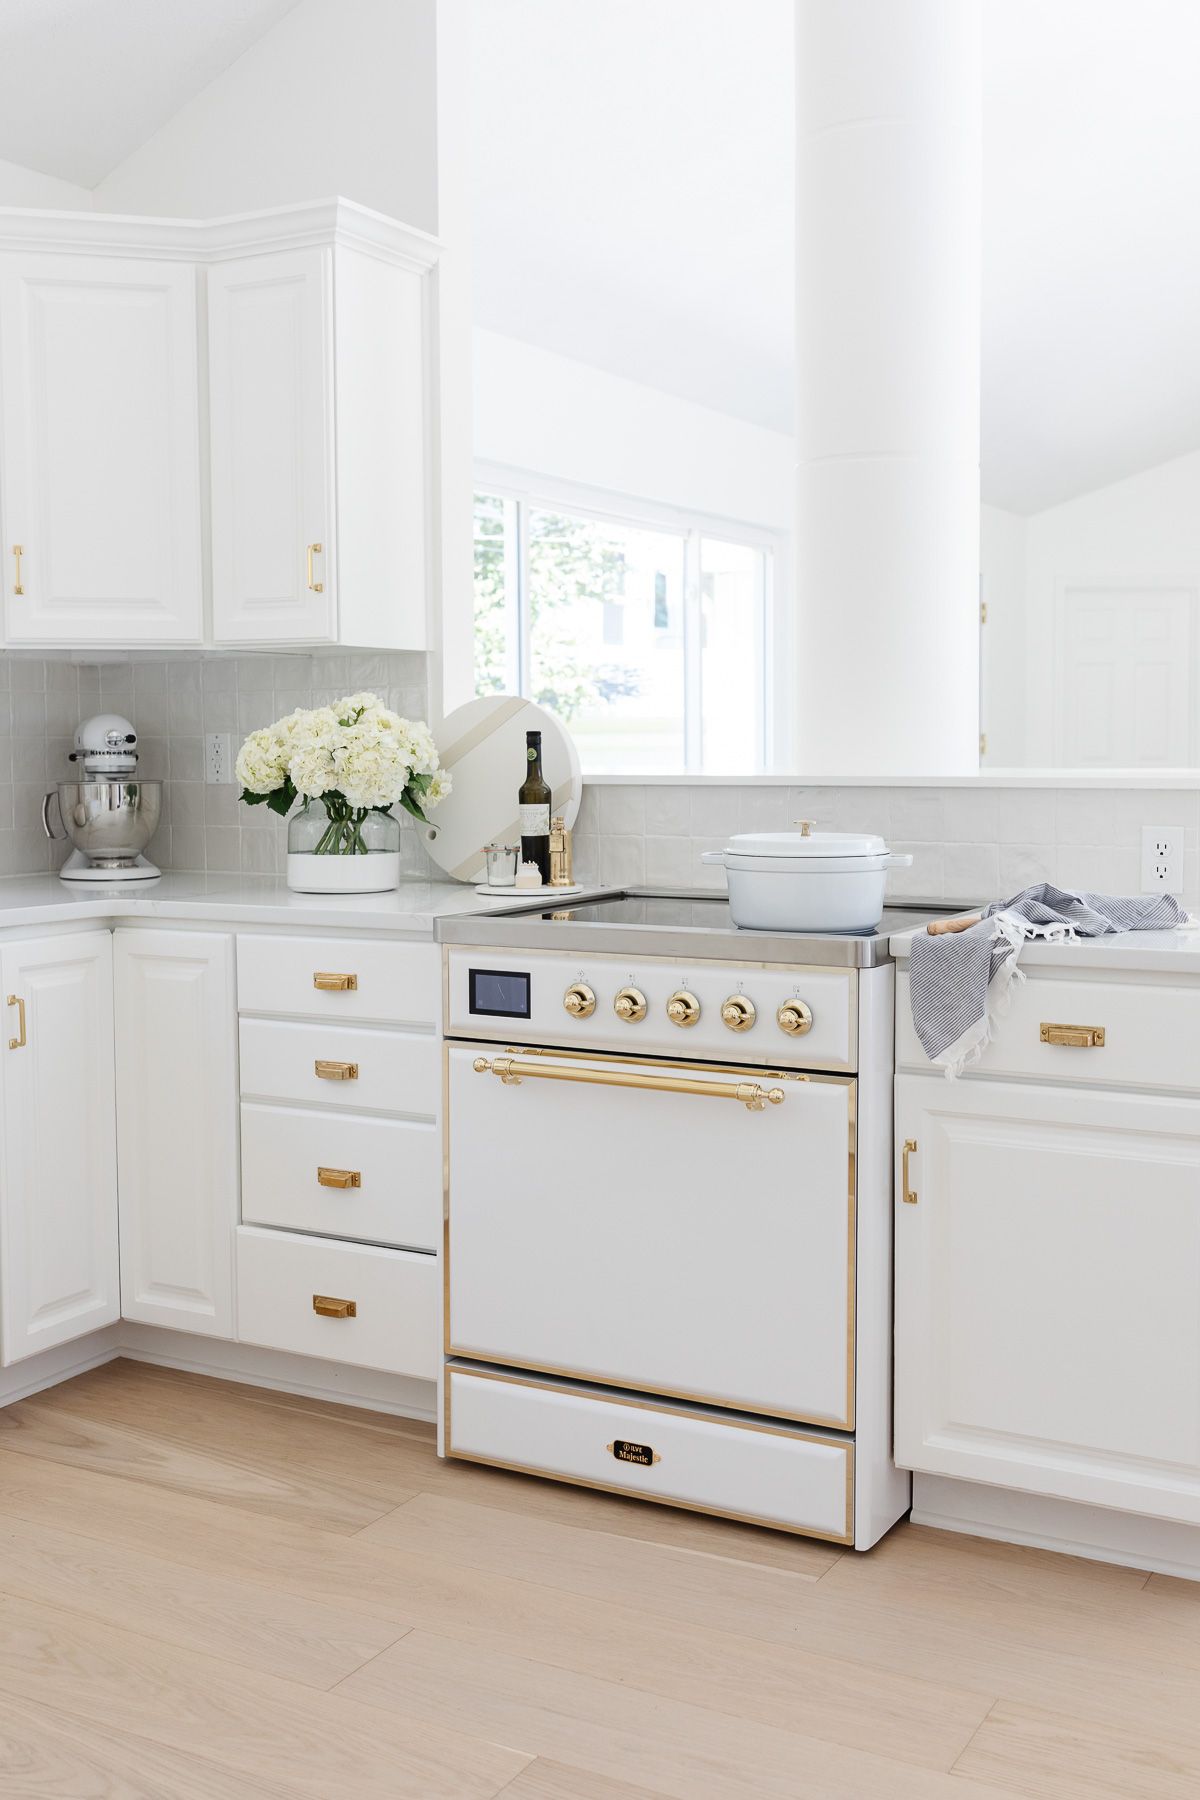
(647, 636)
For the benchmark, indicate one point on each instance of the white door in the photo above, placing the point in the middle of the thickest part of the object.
(59, 1275)
(270, 358)
(177, 1107)
(1048, 1292)
(1125, 659)
(101, 450)
(666, 1240)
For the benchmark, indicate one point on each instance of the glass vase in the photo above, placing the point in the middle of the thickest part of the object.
(336, 848)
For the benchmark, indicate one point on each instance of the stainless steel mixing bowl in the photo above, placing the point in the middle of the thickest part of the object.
(110, 821)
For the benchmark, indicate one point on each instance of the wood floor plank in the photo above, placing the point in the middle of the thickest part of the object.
(33, 1429)
(297, 1638)
(1048, 1756)
(311, 1745)
(47, 1755)
(615, 1730)
(395, 1457)
(547, 1780)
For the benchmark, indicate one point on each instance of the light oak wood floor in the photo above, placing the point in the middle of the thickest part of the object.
(215, 1592)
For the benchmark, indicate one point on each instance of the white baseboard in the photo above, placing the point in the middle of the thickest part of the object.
(35, 1373)
(1099, 1533)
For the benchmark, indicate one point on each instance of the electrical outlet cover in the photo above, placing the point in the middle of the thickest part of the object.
(1162, 859)
(218, 757)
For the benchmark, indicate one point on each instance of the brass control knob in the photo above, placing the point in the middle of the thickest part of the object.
(794, 1017)
(738, 1013)
(630, 1005)
(579, 1000)
(683, 1008)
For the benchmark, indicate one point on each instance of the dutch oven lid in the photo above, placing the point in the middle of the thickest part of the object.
(805, 843)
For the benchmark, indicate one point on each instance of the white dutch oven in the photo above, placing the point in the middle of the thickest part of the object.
(806, 880)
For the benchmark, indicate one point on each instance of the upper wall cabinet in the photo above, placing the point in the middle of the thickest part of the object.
(99, 450)
(316, 382)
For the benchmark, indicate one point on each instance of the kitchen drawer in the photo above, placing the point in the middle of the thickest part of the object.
(394, 1293)
(396, 1199)
(730, 1465)
(393, 983)
(1151, 1034)
(396, 1071)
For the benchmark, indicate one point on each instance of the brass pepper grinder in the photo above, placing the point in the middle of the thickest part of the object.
(561, 872)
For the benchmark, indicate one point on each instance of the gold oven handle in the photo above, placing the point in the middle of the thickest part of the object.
(512, 1072)
(1074, 1037)
(20, 1041)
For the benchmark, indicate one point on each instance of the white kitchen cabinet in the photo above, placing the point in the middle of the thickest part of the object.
(59, 1276)
(177, 1108)
(318, 434)
(1048, 1290)
(99, 450)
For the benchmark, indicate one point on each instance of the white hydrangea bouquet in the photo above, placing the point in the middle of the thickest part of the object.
(348, 764)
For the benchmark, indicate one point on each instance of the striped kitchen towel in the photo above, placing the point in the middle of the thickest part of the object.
(960, 983)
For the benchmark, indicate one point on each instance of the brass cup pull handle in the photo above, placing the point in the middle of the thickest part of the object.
(331, 1308)
(18, 553)
(512, 1073)
(335, 1071)
(330, 982)
(908, 1191)
(1073, 1037)
(339, 1178)
(311, 550)
(19, 1042)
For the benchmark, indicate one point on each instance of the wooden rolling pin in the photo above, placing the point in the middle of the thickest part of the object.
(936, 927)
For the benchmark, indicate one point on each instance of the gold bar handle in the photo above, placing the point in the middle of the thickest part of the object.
(1074, 1037)
(339, 1178)
(314, 587)
(335, 1071)
(512, 1073)
(329, 983)
(907, 1189)
(18, 553)
(330, 1308)
(19, 1042)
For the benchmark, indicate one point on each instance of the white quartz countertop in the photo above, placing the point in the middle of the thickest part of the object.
(1144, 952)
(408, 911)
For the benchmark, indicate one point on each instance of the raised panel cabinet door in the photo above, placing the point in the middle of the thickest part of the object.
(177, 1109)
(270, 358)
(59, 1276)
(101, 450)
(1048, 1291)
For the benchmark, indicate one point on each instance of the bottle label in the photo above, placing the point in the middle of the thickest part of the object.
(535, 821)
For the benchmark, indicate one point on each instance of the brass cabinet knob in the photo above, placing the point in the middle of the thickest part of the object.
(579, 1000)
(630, 1005)
(794, 1017)
(738, 1013)
(683, 1008)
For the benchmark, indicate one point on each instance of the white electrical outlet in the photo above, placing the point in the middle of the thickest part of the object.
(218, 757)
(1162, 859)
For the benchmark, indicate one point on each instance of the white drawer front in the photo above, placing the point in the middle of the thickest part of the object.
(776, 1476)
(392, 983)
(394, 1293)
(395, 1071)
(1151, 1034)
(293, 1163)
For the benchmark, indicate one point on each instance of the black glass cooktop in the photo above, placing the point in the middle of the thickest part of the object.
(705, 914)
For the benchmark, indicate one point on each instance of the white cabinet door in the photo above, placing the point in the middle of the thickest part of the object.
(100, 454)
(59, 1274)
(270, 358)
(177, 1108)
(1048, 1292)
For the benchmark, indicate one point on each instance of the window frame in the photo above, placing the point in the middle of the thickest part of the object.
(524, 491)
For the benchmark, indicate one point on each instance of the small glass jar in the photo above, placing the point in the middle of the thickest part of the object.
(334, 848)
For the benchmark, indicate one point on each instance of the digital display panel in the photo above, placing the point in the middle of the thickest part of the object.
(499, 993)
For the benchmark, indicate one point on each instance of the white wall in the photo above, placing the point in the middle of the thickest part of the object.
(549, 415)
(338, 98)
(1002, 560)
(20, 186)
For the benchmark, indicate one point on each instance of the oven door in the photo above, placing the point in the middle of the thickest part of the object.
(641, 1224)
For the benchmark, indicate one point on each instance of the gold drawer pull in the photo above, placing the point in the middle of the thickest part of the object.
(330, 983)
(1074, 1037)
(311, 550)
(329, 1308)
(18, 553)
(339, 1178)
(335, 1071)
(907, 1189)
(19, 1042)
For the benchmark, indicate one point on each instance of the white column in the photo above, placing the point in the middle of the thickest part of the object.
(888, 184)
